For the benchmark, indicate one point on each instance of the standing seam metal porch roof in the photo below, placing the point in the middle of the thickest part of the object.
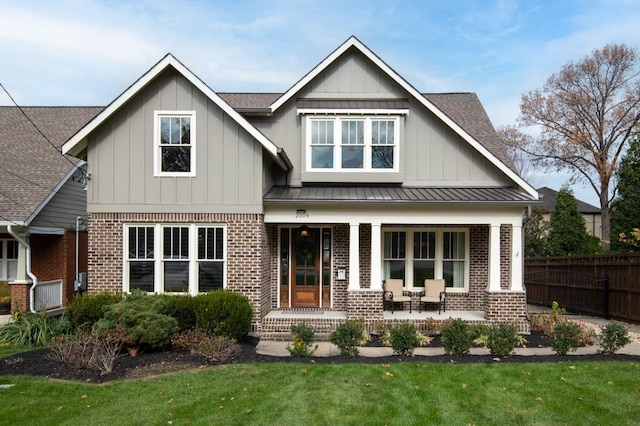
(384, 194)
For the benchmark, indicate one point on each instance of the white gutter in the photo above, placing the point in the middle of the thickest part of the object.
(28, 255)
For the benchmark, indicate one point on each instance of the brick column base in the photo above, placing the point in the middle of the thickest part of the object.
(19, 296)
(365, 305)
(508, 306)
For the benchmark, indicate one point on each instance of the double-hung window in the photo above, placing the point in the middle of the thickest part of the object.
(175, 143)
(8, 260)
(417, 254)
(352, 143)
(174, 258)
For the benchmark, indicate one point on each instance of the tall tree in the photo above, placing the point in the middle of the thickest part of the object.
(586, 112)
(568, 234)
(536, 230)
(625, 210)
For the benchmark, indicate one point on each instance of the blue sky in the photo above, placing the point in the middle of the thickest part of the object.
(87, 52)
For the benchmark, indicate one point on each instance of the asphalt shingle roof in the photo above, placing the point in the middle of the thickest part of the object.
(30, 168)
(549, 198)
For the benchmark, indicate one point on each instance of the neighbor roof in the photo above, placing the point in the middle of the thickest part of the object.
(30, 167)
(549, 197)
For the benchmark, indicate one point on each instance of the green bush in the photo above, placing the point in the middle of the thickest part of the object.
(33, 329)
(348, 336)
(566, 337)
(182, 308)
(404, 338)
(86, 309)
(223, 313)
(303, 337)
(502, 339)
(138, 321)
(456, 338)
(613, 337)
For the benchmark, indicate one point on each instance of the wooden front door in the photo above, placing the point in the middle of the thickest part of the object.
(306, 267)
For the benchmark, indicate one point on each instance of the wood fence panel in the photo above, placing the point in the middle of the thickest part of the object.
(574, 281)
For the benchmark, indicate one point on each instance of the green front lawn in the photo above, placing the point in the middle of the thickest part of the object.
(311, 394)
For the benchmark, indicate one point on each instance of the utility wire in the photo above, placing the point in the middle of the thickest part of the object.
(40, 131)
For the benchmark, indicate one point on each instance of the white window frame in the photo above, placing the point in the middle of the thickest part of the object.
(158, 260)
(157, 146)
(439, 260)
(368, 145)
(5, 261)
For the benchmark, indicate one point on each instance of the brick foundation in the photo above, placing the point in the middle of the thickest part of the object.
(507, 306)
(20, 296)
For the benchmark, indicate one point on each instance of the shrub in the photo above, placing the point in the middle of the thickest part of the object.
(137, 321)
(303, 337)
(613, 337)
(182, 308)
(348, 336)
(86, 350)
(198, 342)
(455, 337)
(33, 329)
(86, 309)
(502, 339)
(223, 313)
(566, 337)
(546, 323)
(478, 331)
(404, 338)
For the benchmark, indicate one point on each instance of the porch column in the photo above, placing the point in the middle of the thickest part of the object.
(516, 258)
(354, 256)
(494, 257)
(21, 274)
(376, 272)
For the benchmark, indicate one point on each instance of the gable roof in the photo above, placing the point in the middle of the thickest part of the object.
(31, 169)
(549, 198)
(353, 42)
(77, 143)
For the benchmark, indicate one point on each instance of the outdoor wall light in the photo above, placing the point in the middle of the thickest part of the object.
(304, 231)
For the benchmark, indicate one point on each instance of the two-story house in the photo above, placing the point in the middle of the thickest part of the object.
(309, 198)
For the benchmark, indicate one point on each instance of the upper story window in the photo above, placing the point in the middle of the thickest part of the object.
(352, 143)
(175, 143)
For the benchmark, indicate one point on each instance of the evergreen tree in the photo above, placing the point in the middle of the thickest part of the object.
(625, 215)
(536, 230)
(568, 234)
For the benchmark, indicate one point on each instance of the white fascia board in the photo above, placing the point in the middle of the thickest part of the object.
(353, 41)
(325, 111)
(78, 141)
(78, 166)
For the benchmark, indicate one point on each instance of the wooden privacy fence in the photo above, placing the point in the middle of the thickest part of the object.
(606, 285)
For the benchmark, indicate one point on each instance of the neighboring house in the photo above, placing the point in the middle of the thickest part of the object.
(591, 214)
(41, 197)
(309, 198)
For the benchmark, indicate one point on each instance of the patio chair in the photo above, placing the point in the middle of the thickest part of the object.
(434, 292)
(393, 293)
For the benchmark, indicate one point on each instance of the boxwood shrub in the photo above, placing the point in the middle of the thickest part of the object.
(223, 313)
(86, 309)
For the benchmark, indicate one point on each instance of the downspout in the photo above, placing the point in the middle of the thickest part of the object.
(28, 256)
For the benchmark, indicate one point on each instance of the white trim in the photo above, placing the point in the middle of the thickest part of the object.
(157, 148)
(354, 42)
(77, 142)
(354, 256)
(338, 111)
(494, 257)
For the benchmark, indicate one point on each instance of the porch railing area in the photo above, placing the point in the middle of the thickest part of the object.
(48, 295)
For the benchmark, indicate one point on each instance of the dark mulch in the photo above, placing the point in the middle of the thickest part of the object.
(151, 363)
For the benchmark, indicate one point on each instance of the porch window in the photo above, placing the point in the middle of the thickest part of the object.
(395, 248)
(175, 143)
(417, 254)
(191, 258)
(8, 260)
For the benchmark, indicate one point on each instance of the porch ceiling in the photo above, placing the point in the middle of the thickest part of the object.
(401, 195)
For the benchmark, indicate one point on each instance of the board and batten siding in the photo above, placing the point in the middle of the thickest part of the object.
(229, 161)
(64, 207)
(430, 152)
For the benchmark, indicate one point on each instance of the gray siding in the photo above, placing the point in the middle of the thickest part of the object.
(229, 176)
(64, 207)
(431, 154)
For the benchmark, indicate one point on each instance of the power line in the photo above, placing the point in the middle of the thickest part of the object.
(40, 131)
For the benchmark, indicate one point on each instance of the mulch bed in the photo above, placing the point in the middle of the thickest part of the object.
(151, 363)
